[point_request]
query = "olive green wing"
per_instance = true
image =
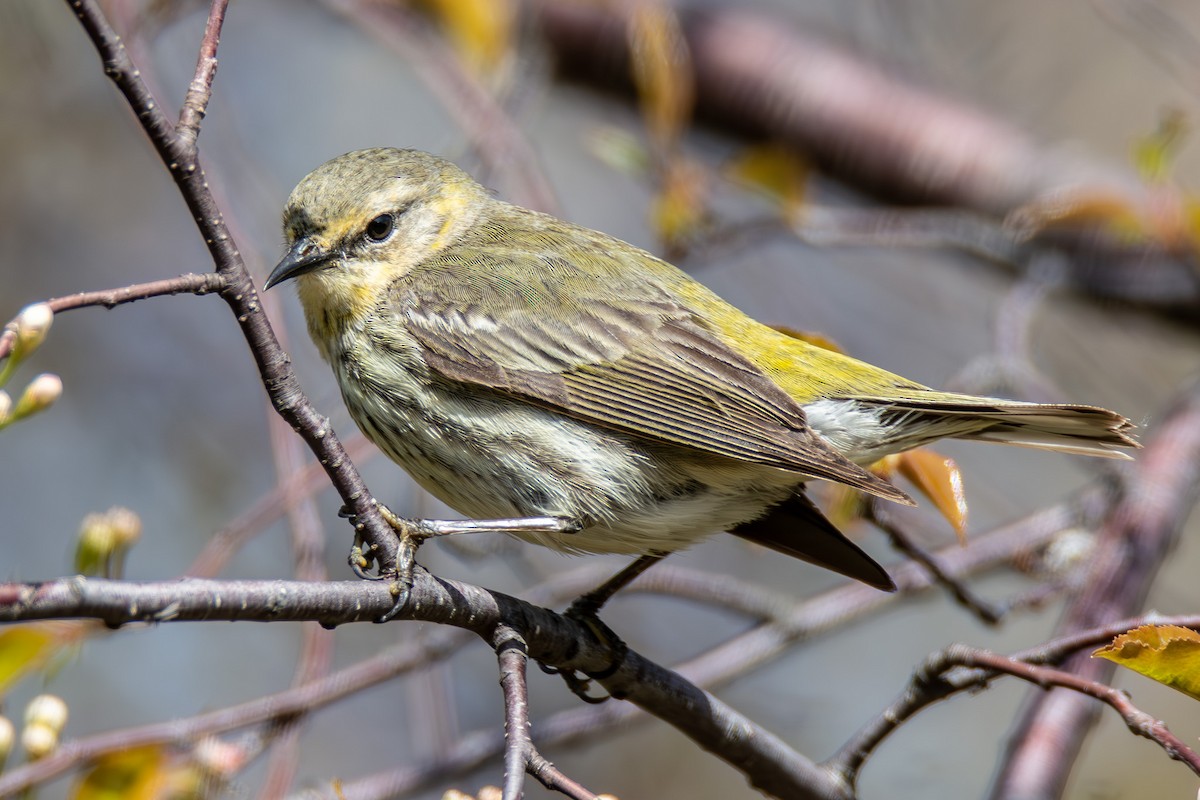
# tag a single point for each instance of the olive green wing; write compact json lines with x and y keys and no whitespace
{"x":630,"y":358}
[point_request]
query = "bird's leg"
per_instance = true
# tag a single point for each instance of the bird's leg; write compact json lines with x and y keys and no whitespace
{"x":413,"y":532}
{"x":584,"y":610}
{"x":589,"y":605}
{"x":422,"y":529}
{"x":429,"y":528}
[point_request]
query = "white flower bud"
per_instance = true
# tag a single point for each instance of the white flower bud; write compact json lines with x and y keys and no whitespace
{"x":8,"y":735}
{"x":48,"y":710}
{"x":39,"y":395}
{"x":38,"y":740}
{"x":32,"y":325}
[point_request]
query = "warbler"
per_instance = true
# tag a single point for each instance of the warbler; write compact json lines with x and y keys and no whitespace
{"x":517,"y":365}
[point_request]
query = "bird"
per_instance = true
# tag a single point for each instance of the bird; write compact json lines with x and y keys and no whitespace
{"x":517,"y":365}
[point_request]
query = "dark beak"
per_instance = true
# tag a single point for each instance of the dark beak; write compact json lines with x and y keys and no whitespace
{"x":304,"y":257}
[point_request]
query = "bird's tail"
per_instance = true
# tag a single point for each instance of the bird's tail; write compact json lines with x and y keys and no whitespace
{"x":1081,"y":430}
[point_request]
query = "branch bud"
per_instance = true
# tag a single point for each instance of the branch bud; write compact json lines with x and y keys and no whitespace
{"x":39,"y":395}
{"x":103,"y":537}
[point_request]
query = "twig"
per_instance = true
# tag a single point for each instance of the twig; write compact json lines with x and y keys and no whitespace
{"x":766,"y":761}
{"x":190,"y":283}
{"x":940,"y":676}
{"x":520,"y":754}
{"x":886,"y":520}
{"x":790,"y":622}
{"x":1138,"y":721}
{"x":511,"y":653}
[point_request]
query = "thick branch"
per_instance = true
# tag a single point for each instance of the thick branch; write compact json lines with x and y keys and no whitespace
{"x":554,"y":640}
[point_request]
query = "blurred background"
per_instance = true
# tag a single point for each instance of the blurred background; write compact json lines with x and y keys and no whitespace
{"x":163,"y":412}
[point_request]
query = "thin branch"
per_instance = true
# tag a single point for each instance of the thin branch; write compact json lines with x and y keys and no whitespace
{"x":1138,"y":721}
{"x":554,"y":640}
{"x":178,"y":153}
{"x":190,"y":283}
{"x":791,"y":622}
{"x":520,"y":754}
{"x":511,"y":654}
{"x":195,"y":103}
{"x":940,"y":677}
{"x":888,"y":522}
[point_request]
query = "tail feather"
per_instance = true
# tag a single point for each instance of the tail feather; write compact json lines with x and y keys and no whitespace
{"x":1081,"y":430}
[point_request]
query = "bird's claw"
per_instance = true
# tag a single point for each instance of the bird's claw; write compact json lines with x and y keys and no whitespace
{"x":583,"y":611}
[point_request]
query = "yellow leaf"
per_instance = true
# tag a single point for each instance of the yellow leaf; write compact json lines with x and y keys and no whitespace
{"x":938,"y":478}
{"x":844,"y":505}
{"x":662,"y":70}
{"x":23,"y":649}
{"x":1154,"y":155}
{"x":136,"y":774}
{"x":481,"y":30}
{"x":30,"y":647}
{"x":775,"y":172}
{"x":680,"y":209}
{"x":1167,"y":653}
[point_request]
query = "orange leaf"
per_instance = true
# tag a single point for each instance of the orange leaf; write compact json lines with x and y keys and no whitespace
{"x":1168,"y":654}
{"x":938,"y":478}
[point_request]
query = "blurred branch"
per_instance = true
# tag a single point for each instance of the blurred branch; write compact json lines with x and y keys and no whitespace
{"x":1155,"y":501}
{"x":498,"y":141}
{"x":864,"y":123}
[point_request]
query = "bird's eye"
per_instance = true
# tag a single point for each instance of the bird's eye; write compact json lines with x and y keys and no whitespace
{"x":381,"y":227}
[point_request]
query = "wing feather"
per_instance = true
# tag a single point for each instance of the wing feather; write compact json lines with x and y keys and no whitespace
{"x":644,"y":367}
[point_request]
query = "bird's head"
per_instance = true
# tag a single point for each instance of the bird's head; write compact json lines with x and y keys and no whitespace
{"x":359,"y":222}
